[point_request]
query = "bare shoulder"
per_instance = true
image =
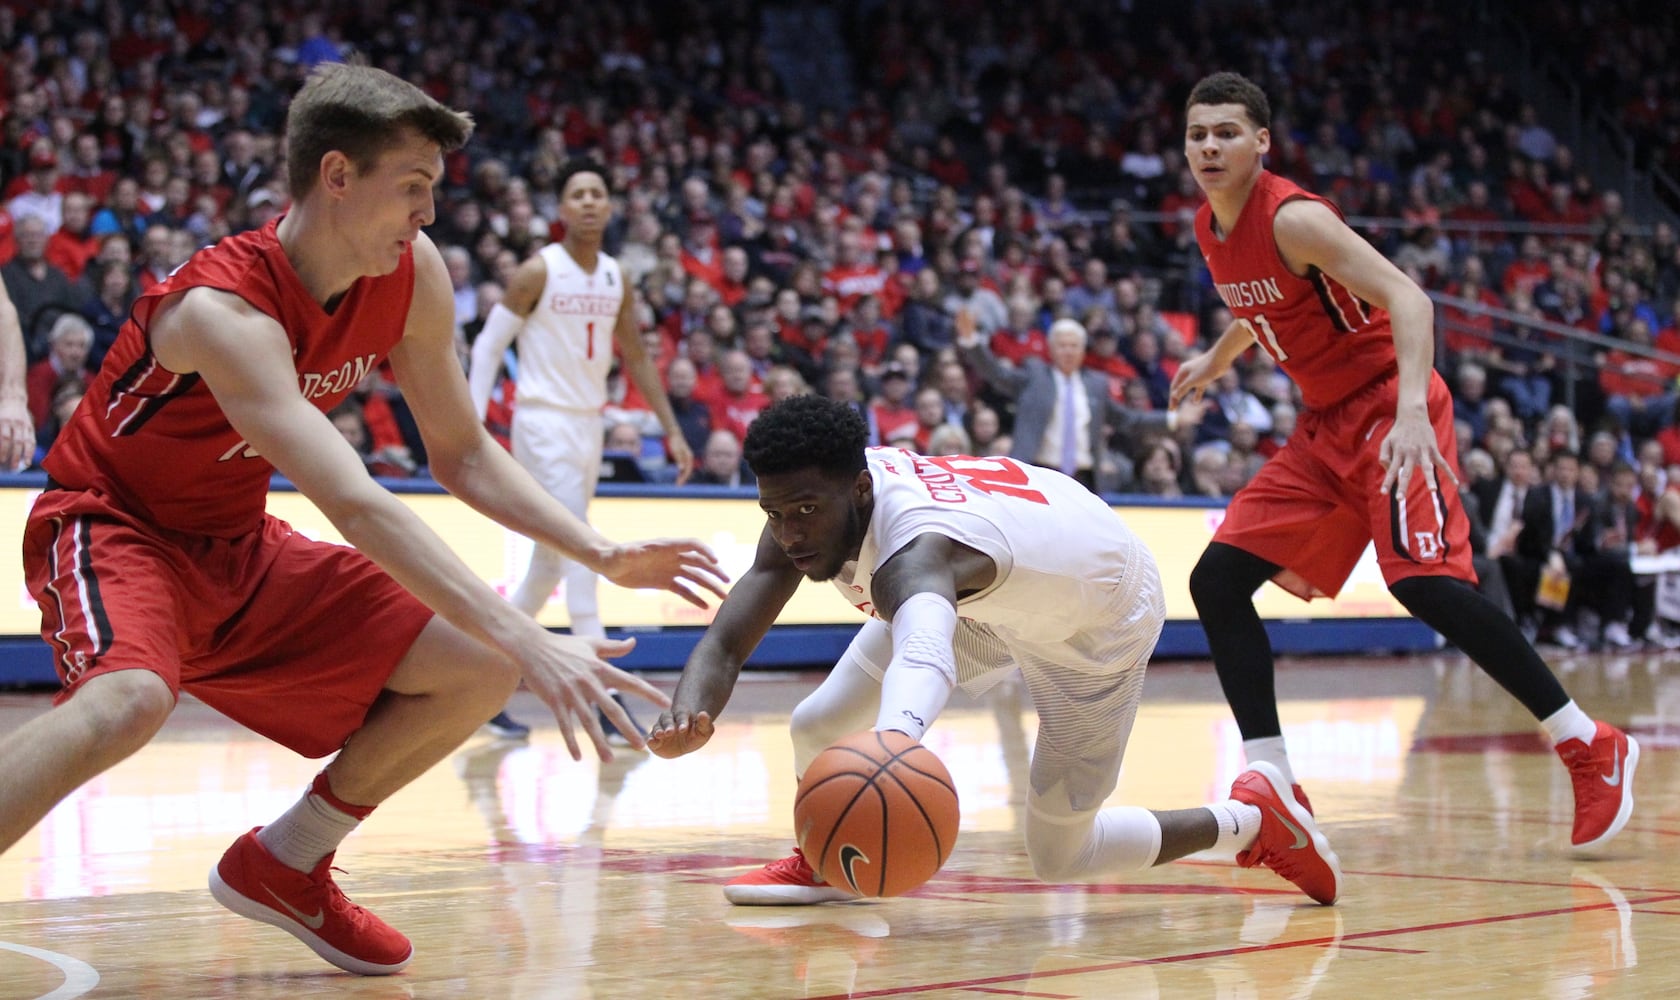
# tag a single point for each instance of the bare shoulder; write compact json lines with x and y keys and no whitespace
{"x":1306,"y":219}
{"x":202,"y":319}
{"x":430,"y":272}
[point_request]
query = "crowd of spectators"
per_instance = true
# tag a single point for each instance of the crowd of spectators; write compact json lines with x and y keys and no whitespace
{"x":997,"y":169}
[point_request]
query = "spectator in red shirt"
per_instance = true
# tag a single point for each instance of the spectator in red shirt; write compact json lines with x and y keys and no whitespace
{"x":740,"y":396}
{"x":855,"y":274}
{"x":72,"y":246}
{"x":86,"y":174}
{"x":1469,"y":334}
{"x":1528,"y":270}
{"x":871,"y":332}
{"x":732,"y":277}
{"x":1019,"y":338}
{"x":890,"y":412}
{"x":1640,"y":390}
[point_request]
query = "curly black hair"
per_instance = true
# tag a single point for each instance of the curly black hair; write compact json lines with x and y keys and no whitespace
{"x":581,"y":165}
{"x":807,"y":432}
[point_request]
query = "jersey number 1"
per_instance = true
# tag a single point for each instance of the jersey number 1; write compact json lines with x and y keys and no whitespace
{"x":1262,"y":331}
{"x":589,"y":340}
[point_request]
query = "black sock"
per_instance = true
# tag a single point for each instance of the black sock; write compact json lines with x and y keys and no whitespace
{"x":1223,"y":585}
{"x":1485,"y":634}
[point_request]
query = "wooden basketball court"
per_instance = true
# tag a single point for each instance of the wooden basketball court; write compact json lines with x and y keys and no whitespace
{"x":521,"y":874}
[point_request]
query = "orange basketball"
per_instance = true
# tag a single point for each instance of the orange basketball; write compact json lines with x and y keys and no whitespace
{"x":876,"y":813}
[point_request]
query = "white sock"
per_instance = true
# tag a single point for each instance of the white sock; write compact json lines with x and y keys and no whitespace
{"x":1272,"y":751}
{"x":307,"y":832}
{"x":1239,"y":824}
{"x":1569,"y":723}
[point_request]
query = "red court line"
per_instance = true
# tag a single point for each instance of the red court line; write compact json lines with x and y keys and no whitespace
{"x":1020,"y":993}
{"x":1392,"y":951}
{"x":968,"y":984}
{"x":1449,"y":878}
{"x":1533,"y":817}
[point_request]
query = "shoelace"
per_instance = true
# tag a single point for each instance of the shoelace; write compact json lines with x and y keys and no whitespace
{"x":794,"y":866}
{"x":334,"y":899}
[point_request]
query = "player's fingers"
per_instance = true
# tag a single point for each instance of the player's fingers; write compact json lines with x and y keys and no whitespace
{"x":620,"y":720}
{"x":703,"y":725}
{"x":605,"y":648}
{"x":712,"y":581}
{"x":1440,"y":460}
{"x":626,"y":681}
{"x":563,"y":716}
{"x":686,"y":594}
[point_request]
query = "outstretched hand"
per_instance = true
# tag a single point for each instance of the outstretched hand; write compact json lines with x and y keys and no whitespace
{"x":1410,"y":446}
{"x":682,"y":456}
{"x":678,"y":733}
{"x":676,"y":564}
{"x":17,"y":435}
{"x":570,"y":674}
{"x":1192,"y":378}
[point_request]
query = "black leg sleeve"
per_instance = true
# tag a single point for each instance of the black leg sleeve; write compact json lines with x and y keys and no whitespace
{"x":1223,"y":585}
{"x":1475,"y":625}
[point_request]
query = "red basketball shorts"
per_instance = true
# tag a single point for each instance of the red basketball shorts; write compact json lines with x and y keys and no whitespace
{"x":290,"y":637}
{"x":1314,"y":506}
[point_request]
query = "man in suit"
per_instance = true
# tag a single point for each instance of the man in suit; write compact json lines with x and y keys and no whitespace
{"x":1557,"y":529}
{"x":1607,"y":581}
{"x":1064,"y":415}
{"x":1501,"y":502}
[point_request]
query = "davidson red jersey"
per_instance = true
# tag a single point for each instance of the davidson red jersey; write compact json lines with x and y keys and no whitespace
{"x":158,"y":442}
{"x":1323,"y":336}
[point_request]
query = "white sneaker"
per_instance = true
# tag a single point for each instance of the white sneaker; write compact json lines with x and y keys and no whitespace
{"x":1616,"y":635}
{"x":1565,"y":636}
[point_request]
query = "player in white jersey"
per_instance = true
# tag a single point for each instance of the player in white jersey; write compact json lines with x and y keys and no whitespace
{"x":568,"y":307}
{"x":969,"y":567}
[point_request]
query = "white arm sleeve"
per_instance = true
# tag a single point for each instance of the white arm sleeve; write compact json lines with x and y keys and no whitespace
{"x":500,"y":327}
{"x":923,"y":670}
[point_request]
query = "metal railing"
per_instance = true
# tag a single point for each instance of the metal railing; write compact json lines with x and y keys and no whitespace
{"x":1574,"y":350}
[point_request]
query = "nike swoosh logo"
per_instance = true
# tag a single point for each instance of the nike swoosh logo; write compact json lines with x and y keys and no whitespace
{"x":1614,"y":778}
{"x":850,"y":856}
{"x":312,"y":922}
{"x":1300,"y":835}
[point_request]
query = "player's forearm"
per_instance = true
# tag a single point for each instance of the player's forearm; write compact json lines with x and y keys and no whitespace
{"x":385,"y":530}
{"x":646,"y":377}
{"x":1412,"y":317}
{"x":708,"y":679}
{"x":13,"y":359}
{"x":1237,"y":338}
{"x":489,"y":481}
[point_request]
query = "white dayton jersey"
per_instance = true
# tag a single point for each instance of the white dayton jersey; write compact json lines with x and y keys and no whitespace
{"x":566,"y":347}
{"x":1067,"y":565}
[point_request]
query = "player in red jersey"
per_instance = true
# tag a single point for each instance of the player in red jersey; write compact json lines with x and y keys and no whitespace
{"x":157,"y":570}
{"x":1362,"y":466}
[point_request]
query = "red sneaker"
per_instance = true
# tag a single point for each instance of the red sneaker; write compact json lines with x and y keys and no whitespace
{"x":788,"y":882}
{"x":309,"y":906}
{"x":1289,"y":842}
{"x":1602,"y":772}
{"x":1301,"y":797}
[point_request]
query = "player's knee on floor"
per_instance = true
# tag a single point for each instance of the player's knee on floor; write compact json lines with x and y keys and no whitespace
{"x":125,"y":707}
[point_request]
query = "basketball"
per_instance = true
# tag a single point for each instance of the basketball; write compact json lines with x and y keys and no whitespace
{"x":876,"y":813}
